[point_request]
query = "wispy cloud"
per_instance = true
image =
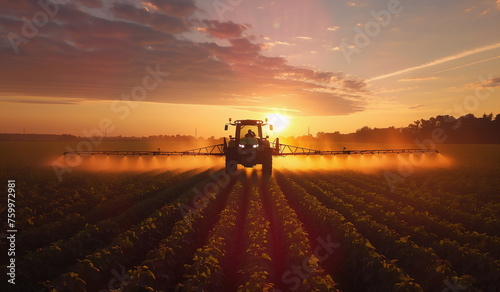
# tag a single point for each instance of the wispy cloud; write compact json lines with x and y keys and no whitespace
{"x":486,"y":11}
{"x":493,"y":82}
{"x":483,"y":8}
{"x":416,"y":106}
{"x":45,"y":100}
{"x":465,"y":65}
{"x":438,"y":61}
{"x":418,"y":78}
{"x":275,"y":43}
{"x":469,"y":9}
{"x":385,"y":90}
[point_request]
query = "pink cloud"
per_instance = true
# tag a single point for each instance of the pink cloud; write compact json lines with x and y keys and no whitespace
{"x":224,"y":30}
{"x":82,"y":56}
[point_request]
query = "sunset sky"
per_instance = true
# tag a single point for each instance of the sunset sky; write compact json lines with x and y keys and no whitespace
{"x":328,"y":65}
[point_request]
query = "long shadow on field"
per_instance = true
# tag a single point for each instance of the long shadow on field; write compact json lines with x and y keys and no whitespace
{"x":333,"y":263}
{"x":237,"y":254}
{"x":279,"y":252}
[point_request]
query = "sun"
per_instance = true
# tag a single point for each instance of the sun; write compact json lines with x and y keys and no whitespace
{"x":279,"y":122}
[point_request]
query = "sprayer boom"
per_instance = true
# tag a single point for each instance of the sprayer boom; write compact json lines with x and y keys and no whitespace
{"x":250,"y":147}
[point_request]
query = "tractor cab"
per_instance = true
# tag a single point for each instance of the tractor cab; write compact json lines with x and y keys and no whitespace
{"x":248,"y":133}
{"x":248,"y":146}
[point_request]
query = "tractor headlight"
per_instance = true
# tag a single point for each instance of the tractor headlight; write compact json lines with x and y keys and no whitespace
{"x":242,"y":146}
{"x":255,"y":146}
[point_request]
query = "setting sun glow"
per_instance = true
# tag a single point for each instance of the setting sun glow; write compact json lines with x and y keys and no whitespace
{"x":279,"y":122}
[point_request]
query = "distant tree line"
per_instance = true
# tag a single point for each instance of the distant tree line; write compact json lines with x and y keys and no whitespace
{"x":69,"y":137}
{"x":466,"y":129}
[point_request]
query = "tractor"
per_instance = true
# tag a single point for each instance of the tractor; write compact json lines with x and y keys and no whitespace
{"x":248,"y":147}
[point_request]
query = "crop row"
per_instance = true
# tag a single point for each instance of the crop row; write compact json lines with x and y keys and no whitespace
{"x":302,"y":270}
{"x":465,"y":209}
{"x":256,"y":272}
{"x":464,"y":260}
{"x":423,"y":264}
{"x":209,"y":262}
{"x":363,"y":269}
{"x":46,"y":200}
{"x":162,"y":268}
{"x":95,"y":269}
{"x":112,"y":205}
{"x":57,"y":257}
{"x":433,"y":223}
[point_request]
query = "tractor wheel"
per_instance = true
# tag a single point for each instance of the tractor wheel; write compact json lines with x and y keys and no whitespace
{"x":267,"y":164}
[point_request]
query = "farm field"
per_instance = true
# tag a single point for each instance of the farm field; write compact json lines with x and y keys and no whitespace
{"x":200,"y":229}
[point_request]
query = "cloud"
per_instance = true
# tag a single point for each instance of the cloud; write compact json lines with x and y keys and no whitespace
{"x":385,"y":90}
{"x":19,"y":8}
{"x":484,"y":7}
{"x":469,"y":9}
{"x":494,"y":82}
{"x":465,"y":65}
{"x":223,"y":30}
{"x":490,"y":82}
{"x":486,"y":11}
{"x":272,"y":44}
{"x":159,"y":21}
{"x":179,"y":8}
{"x":354,"y":85}
{"x":439,"y":61}
{"x":60,"y":101}
{"x":418,"y":78}
{"x":91,"y":3}
{"x":416,"y":106}
{"x":79,"y":56}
